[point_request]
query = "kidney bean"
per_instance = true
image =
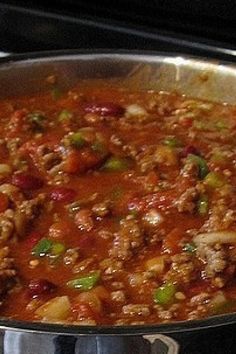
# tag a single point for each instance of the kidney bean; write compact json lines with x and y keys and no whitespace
{"x":189,"y":149}
{"x":26,"y":181}
{"x":62,"y":194}
{"x":104,"y":109}
{"x":39,"y":287}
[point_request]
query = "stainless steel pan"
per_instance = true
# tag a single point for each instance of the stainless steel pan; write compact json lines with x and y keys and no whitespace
{"x":194,"y":77}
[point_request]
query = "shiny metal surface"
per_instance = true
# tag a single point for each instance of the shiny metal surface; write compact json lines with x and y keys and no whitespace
{"x":191,"y":76}
{"x":25,"y":343}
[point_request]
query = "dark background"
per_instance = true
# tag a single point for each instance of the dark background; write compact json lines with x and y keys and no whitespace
{"x":190,"y":26}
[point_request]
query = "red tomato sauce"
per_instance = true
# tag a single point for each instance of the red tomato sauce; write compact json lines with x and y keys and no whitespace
{"x":116,"y":207}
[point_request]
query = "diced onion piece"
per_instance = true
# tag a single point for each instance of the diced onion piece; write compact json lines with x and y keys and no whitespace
{"x":135,"y":110}
{"x":219,"y":299}
{"x":218,"y":303}
{"x":216,"y":237}
{"x":55,"y":309}
{"x":156,"y":264}
{"x":153,"y":217}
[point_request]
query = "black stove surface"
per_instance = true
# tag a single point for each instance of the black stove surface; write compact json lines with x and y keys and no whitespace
{"x":36,"y":28}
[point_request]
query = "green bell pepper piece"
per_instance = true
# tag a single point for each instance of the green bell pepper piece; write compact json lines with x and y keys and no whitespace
{"x":201,"y":163}
{"x":86,"y":282}
{"x":165,"y":294}
{"x":42,"y":248}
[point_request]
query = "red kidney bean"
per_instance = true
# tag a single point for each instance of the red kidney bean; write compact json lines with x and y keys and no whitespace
{"x":189,"y":149}
{"x":104,"y":109}
{"x":38,"y":287}
{"x":62,"y":194}
{"x":26,"y":181}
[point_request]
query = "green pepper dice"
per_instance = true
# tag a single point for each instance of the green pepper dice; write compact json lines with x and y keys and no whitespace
{"x":77,"y":140}
{"x":201,"y":163}
{"x":189,"y":247}
{"x":64,"y":115}
{"x":42,"y":247}
{"x":86,"y":282}
{"x":114,"y":164}
{"x":57,"y":249}
{"x":46,"y":246}
{"x":165,"y":294}
{"x":37,"y":120}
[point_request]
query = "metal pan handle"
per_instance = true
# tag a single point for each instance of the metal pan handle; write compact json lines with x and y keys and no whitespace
{"x":153,"y":344}
{"x":28,"y":343}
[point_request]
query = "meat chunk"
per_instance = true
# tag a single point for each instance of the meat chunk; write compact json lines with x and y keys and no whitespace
{"x":156,"y":155}
{"x":7,"y":271}
{"x":221,"y":217}
{"x":26,"y":212}
{"x":214,"y":258}
{"x":169,"y":314}
{"x":127,"y":239}
{"x":48,"y":158}
{"x":190,"y":170}
{"x":83,"y":220}
{"x":6,"y":225}
{"x":137,"y":279}
{"x":13,"y":145}
{"x":14,"y":194}
{"x":118,"y":296}
{"x":15,"y":221}
{"x":182,"y":269}
{"x":110,"y":267}
{"x":101,"y":209}
{"x":136,"y":310}
{"x":187,"y":200}
{"x":200,"y":299}
{"x":71,"y":256}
